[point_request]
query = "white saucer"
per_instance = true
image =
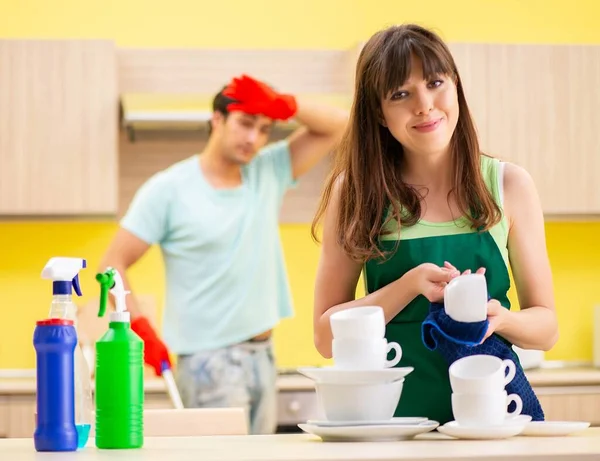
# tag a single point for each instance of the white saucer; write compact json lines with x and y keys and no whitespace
{"x":334,"y":375}
{"x":388,"y":422}
{"x":519,"y":419}
{"x":554,"y":428}
{"x":369,"y":433}
{"x":510,"y":428}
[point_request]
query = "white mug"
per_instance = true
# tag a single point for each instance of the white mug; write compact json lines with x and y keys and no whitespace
{"x":466,"y":298}
{"x":364,"y":353}
{"x":484,"y":409}
{"x":481,"y":374}
{"x":358,"y":322}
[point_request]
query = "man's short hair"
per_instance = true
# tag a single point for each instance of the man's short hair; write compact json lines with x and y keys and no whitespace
{"x":219,"y":104}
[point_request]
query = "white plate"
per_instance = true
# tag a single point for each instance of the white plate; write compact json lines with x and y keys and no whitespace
{"x":341,"y":376}
{"x":369,"y":433}
{"x":554,"y":428}
{"x":501,"y":431}
{"x":519,"y":419}
{"x":388,"y":422}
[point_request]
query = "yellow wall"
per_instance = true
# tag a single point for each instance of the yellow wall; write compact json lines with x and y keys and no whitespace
{"x":305,"y":24}
{"x":574,"y":253}
{"x":24,"y":297}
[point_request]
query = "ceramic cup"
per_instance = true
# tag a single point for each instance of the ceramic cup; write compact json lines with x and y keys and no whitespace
{"x":466,"y":298}
{"x":481,"y":374}
{"x":358,"y":322}
{"x":484,"y":409}
{"x":364,"y":353}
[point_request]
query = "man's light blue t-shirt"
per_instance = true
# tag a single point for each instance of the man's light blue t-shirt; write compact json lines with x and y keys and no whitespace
{"x":225,"y":274}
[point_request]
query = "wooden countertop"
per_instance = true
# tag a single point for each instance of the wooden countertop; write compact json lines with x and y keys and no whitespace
{"x":305,"y":447}
{"x":543,"y":377}
{"x":152,"y":385}
{"x":22,"y":386}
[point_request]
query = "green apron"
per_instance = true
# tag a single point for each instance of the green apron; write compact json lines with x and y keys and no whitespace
{"x":427,"y":389}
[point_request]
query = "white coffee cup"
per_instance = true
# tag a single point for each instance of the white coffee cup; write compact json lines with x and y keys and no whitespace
{"x":481,"y":374}
{"x":364,"y":353}
{"x":466,"y":298}
{"x":484,"y":409}
{"x":358,"y":322}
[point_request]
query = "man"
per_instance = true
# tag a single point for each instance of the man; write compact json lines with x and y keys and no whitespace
{"x":215,"y":217}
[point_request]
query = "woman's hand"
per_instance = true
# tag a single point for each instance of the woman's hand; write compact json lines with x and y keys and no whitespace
{"x":497,"y":316}
{"x":431,"y":279}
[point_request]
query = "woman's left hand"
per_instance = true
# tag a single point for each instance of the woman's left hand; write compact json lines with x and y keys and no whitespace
{"x":496,"y":315}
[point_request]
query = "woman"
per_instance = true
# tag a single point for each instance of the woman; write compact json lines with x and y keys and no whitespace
{"x":412,"y":201}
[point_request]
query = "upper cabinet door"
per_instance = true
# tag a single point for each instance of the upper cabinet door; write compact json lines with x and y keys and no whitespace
{"x":539,"y":107}
{"x":58,"y":127}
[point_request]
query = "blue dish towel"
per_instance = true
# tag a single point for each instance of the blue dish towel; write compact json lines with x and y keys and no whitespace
{"x":455,"y":340}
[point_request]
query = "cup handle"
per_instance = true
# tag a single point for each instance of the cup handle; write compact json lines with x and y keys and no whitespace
{"x":396,"y":359}
{"x":512,"y":371}
{"x":514,"y":398}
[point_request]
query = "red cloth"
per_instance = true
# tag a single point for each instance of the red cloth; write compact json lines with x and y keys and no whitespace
{"x":254,"y":97}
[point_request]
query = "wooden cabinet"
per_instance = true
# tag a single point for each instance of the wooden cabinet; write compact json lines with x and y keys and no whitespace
{"x":533,"y":105}
{"x":58,"y":127}
{"x":298,"y":402}
{"x":576,"y":403}
{"x":4,"y":416}
{"x":17,"y":412}
{"x":20,"y":415}
{"x":60,"y":107}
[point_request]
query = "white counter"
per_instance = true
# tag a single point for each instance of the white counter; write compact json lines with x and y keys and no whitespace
{"x":303,"y":447}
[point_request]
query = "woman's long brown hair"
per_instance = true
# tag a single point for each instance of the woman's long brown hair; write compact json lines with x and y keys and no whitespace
{"x":368,"y":161}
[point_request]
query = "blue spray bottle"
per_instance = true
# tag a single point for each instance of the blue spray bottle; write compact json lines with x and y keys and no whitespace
{"x":55,"y":341}
{"x":64,"y":274}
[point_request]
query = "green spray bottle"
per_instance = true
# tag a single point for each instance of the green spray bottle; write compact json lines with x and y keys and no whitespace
{"x":119,"y":373}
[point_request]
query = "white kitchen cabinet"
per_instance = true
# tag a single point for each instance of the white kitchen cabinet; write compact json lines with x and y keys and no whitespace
{"x":58,"y":127}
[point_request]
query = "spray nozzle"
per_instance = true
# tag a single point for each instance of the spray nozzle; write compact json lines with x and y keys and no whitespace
{"x":64,"y":272}
{"x":110,"y":281}
{"x":106,"y":280}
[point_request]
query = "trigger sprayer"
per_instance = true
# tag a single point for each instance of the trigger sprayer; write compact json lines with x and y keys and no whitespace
{"x":64,"y":273}
{"x":119,"y":372}
{"x":111,"y":281}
